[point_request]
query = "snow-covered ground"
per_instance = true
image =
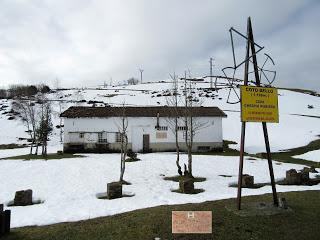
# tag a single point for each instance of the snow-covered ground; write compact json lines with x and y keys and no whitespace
{"x":68,"y":187}
{"x":311,"y":156}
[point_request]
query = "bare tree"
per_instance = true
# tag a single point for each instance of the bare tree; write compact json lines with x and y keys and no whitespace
{"x":123,"y":129}
{"x":173,"y":122}
{"x":45,"y":124}
{"x":192,"y":123}
{"x":28,"y":112}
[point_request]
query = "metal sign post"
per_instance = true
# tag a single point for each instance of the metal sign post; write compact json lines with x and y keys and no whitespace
{"x":251,"y":45}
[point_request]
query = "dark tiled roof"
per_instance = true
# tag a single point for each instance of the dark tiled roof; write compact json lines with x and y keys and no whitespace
{"x":102,"y":112}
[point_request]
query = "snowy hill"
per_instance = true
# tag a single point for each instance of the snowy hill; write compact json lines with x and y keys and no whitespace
{"x":297,"y":127}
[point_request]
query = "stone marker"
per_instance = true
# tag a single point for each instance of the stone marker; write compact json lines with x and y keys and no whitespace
{"x":293,"y":177}
{"x":247,"y":181}
{"x":114,"y":190}
{"x":23,"y":198}
{"x":186,"y":185}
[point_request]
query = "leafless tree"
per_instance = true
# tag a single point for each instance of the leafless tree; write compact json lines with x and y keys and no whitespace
{"x":191,"y":122}
{"x":28,"y":112}
{"x":45,"y":124}
{"x":123,"y":129}
{"x":173,"y":122}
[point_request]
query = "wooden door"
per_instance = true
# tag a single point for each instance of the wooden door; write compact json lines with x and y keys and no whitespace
{"x":146,"y":143}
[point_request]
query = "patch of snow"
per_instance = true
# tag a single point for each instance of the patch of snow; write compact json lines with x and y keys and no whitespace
{"x":68,"y":187}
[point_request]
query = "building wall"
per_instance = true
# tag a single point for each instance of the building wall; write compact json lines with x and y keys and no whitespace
{"x":160,"y":140}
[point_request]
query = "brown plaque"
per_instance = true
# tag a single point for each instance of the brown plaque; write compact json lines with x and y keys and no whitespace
{"x":191,"y":222}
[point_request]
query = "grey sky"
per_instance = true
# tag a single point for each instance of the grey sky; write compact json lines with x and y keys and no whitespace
{"x":84,"y":42}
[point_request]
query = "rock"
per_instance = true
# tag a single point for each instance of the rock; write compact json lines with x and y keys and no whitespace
{"x":293,"y":177}
{"x":247,"y":181}
{"x":23,"y":198}
{"x":114,"y":190}
{"x":60,"y":152}
{"x":186,"y":185}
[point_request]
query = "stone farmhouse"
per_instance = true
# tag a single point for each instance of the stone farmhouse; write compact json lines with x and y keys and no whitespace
{"x":150,"y":129}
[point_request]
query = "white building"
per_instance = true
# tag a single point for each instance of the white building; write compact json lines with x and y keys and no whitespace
{"x":150,"y":129}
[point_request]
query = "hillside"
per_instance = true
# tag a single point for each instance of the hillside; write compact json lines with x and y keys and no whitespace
{"x":68,"y":188}
{"x":297,"y":125}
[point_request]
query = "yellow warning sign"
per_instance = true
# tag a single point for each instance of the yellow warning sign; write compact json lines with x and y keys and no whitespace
{"x":259,"y":104}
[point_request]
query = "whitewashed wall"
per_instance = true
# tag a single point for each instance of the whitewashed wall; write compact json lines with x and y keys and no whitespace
{"x":137,"y":126}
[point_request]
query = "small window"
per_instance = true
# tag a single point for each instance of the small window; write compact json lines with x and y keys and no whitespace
{"x":81,"y":135}
{"x":101,"y":139}
{"x":118,"y":137}
{"x":161,"y":128}
{"x":181,"y":128}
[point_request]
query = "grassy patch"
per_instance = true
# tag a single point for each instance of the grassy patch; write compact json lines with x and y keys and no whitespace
{"x":149,"y":223}
{"x":12,"y":146}
{"x":177,"y":178}
{"x":50,"y":156}
{"x":227,"y":151}
{"x":287,"y":156}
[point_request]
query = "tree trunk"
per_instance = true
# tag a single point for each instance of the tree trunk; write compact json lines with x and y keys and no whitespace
{"x":190,"y":160}
{"x":31,"y":147}
{"x":124,"y":145}
{"x":177,"y":149}
{"x":37,"y":147}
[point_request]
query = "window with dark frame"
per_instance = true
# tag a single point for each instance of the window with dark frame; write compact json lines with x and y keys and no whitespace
{"x":161,"y":128}
{"x":101,"y":139}
{"x":118,"y":137}
{"x":181,"y":128}
{"x":81,"y":135}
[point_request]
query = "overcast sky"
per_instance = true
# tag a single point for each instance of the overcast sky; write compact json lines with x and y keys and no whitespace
{"x":87,"y":42}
